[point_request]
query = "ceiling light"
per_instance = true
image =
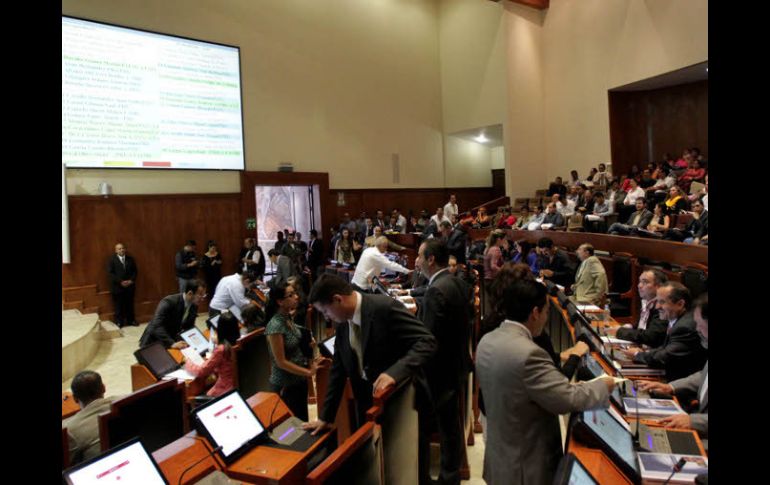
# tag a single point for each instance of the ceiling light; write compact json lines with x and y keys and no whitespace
{"x":481,"y":138}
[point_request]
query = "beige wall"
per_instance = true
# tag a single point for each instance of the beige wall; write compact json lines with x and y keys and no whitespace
{"x":498,"y":158}
{"x":336,"y":86}
{"x":468,"y":163}
{"x":472,"y":50}
{"x":591,"y":46}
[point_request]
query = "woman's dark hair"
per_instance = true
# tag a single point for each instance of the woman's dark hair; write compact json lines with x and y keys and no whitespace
{"x":228,"y":332}
{"x":276,"y":293}
{"x":526,"y":247}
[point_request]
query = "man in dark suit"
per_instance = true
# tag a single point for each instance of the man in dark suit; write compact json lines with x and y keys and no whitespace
{"x":447,"y":312}
{"x":650,"y":330}
{"x":455,"y":238}
{"x":122,"y":271}
{"x":175,"y":313}
{"x":554,"y":264}
{"x":681,"y":353}
{"x":315,"y":254}
{"x":379,"y":343}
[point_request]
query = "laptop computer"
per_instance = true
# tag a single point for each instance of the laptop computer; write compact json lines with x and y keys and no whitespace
{"x":572,"y":472}
{"x":230,"y":423}
{"x":160,"y":363}
{"x":195,"y":339}
{"x":126,"y":463}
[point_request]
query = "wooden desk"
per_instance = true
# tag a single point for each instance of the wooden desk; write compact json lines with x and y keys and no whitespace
{"x":68,"y":405}
{"x":263,"y":464}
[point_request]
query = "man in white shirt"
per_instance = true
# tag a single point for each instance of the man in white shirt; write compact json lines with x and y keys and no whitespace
{"x":372,"y":263}
{"x":439,"y":216}
{"x":451,"y":207}
{"x":230,"y":291}
{"x":400,"y":220}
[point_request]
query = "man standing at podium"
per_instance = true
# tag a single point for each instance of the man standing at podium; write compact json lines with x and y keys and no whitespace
{"x":378,"y":344}
{"x":122,"y":271}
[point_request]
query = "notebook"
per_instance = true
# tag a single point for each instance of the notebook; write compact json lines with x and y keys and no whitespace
{"x":126,"y":463}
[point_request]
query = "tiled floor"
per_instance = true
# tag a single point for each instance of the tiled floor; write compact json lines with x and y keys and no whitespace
{"x":114,"y":358}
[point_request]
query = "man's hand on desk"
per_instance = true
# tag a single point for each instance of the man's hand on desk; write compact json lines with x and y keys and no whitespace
{"x":179,"y":345}
{"x":580,"y":349}
{"x":383,"y":381}
{"x":315,"y":426}
{"x":652,"y":386}
{"x":631,"y":351}
{"x":680,"y":421}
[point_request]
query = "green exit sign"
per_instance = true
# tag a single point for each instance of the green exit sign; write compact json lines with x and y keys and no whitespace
{"x":251,"y":224}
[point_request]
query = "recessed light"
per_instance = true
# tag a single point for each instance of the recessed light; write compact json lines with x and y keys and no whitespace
{"x":481,"y":138}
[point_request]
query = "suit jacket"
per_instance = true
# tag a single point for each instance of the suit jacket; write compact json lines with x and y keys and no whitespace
{"x":83,"y":430}
{"x":653,"y":336}
{"x":694,"y":383}
{"x":699,"y":227}
{"x":118,"y":272}
{"x":393,"y":341}
{"x":644,"y":221}
{"x":456,"y":245}
{"x":563,"y":271}
{"x":524,"y":394}
{"x":447,"y":312}
{"x":316,"y":253}
{"x":591,"y":281}
{"x":681,"y":353}
{"x":167,"y":322}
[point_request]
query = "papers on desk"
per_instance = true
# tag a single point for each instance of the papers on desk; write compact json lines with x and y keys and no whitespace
{"x":589,"y":308}
{"x":612,"y":340}
{"x":617,"y":380}
{"x":179,"y":374}
{"x":192,"y":355}
{"x":658,"y":466}
{"x":652,"y":407}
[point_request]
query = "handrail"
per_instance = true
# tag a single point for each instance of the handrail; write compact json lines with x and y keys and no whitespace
{"x":504,"y":198}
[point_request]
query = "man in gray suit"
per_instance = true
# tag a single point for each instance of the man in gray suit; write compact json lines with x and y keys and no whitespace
{"x":284,"y":268}
{"x":83,"y":428}
{"x":524,"y":393}
{"x":697,"y":383}
{"x":639,"y":219}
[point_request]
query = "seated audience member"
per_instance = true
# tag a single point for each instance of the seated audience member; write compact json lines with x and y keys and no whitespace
{"x":676,"y":202}
{"x":524,"y":219}
{"x":231,"y":291}
{"x":370,"y":241}
{"x":660,"y":186}
{"x":590,"y":279}
{"x":526,"y":254}
{"x":290,"y":367}
{"x":602,"y":178}
{"x":552,"y":218}
{"x":400,"y":220}
{"x":482,"y":219}
{"x":681,"y":353}
{"x":573,"y":195}
{"x":379,"y":219}
{"x":646,"y":181}
{"x":535,"y":392}
{"x":615,"y":196}
{"x":554,"y":264}
{"x":574,"y":179}
{"x":343,"y":251}
{"x":372,"y":263}
{"x":439,"y":216}
{"x":556,"y":187}
{"x":556,"y":199}
{"x":697,"y":229}
{"x":175,"y":314}
{"x":634,"y":192}
{"x":591,"y":174}
{"x":640,"y":218}
{"x":506,"y":220}
{"x":536,"y":219}
{"x":694,"y":173}
{"x":393,"y":226}
{"x":83,"y":428}
{"x":658,"y":225}
{"x":367,"y":228}
{"x":650,"y":330}
{"x":596,"y":221}
{"x":694,"y":384}
{"x":220,"y":362}
{"x":423,"y":221}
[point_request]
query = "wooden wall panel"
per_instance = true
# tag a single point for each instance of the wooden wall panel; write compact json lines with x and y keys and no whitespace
{"x":406,"y":200}
{"x":154,"y":228}
{"x":667,"y":120}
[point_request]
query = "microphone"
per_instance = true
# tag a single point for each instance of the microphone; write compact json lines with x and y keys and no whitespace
{"x":677,"y":468}
{"x":215,"y":450}
{"x":638,"y":421}
{"x":280,"y":396}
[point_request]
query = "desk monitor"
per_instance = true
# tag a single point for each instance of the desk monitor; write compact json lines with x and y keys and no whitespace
{"x":126,"y":463}
{"x":590,"y":369}
{"x":327,"y":347}
{"x":379,"y":287}
{"x":562,"y":298}
{"x":196,"y":340}
{"x":157,"y":359}
{"x":229,"y":422}
{"x":597,"y":428}
{"x":572,"y":472}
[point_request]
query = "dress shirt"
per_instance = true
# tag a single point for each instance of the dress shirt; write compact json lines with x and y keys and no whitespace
{"x":632,"y":195}
{"x":401,"y":221}
{"x":450,"y":209}
{"x":602,"y":210}
{"x":438,"y":222}
{"x":372,"y":263}
{"x":355,"y":334}
{"x":647,"y":306}
{"x":229,"y":292}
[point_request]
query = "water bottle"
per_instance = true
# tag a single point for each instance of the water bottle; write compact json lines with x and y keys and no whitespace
{"x":607,"y":313}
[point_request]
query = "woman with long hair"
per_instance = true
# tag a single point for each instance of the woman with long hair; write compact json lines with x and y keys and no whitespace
{"x":343,"y":251}
{"x":290,"y":367}
{"x":211,"y":263}
{"x":219,"y":362}
{"x":676,"y":201}
{"x":525,"y":254}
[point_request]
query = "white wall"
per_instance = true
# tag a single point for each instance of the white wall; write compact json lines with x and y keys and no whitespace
{"x":497,"y":158}
{"x":469,"y":163}
{"x":336,"y":86}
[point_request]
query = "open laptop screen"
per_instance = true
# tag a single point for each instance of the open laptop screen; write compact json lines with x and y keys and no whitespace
{"x":615,"y":438}
{"x":196,"y":340}
{"x":572,"y":472}
{"x":229,"y":422}
{"x":127,"y":463}
{"x":156,"y":358}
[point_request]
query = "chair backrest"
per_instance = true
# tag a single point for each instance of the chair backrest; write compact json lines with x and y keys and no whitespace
{"x":359,"y":456}
{"x":695,"y":278}
{"x":156,"y":414}
{"x":622,"y":278}
{"x":682,"y":220}
{"x":251,"y":361}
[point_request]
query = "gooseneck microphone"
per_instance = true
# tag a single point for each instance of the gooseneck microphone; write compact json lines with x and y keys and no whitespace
{"x":677,"y":468}
{"x":215,"y":450}
{"x":638,"y":421}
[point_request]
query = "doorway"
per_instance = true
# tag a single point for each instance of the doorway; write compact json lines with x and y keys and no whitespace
{"x":279,"y":207}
